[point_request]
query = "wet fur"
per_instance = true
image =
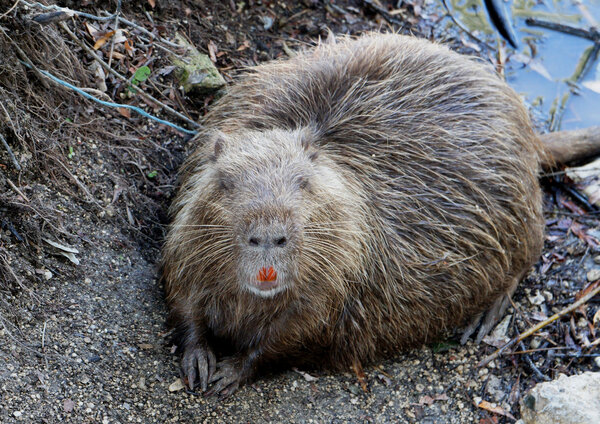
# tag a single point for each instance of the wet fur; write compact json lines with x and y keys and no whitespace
{"x":437,"y":211}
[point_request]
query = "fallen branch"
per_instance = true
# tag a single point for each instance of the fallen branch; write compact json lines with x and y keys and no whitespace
{"x":591,"y":34}
{"x":536,"y":328}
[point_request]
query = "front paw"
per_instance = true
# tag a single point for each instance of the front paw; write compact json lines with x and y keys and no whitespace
{"x":227,"y":379}
{"x":198,"y":364}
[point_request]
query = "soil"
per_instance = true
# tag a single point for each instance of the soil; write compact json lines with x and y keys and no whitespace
{"x":88,"y":342}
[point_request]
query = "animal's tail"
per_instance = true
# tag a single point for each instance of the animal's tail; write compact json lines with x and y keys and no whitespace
{"x":564,"y":147}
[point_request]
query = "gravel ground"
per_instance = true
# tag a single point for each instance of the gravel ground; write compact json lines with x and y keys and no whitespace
{"x":98,"y":350}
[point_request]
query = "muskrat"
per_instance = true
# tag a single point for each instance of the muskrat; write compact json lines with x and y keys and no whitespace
{"x":361,"y":197}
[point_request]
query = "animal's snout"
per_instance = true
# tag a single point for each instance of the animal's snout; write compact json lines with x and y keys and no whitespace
{"x":268,"y":239}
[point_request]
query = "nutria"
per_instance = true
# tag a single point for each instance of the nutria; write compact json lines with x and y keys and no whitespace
{"x":362,"y":197}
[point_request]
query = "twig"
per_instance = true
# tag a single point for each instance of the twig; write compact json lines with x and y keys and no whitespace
{"x":591,"y":34}
{"x":51,"y":17}
{"x":80,"y":184}
{"x":535,"y":369}
{"x":112,"y":45}
{"x":18,"y":280}
{"x":64,"y":10}
{"x":384,"y":14}
{"x":534,"y":329}
{"x":148,"y":33}
{"x":44,"y":335}
{"x":16,"y":189}
{"x":10,"y":153}
{"x":122,"y":78}
{"x":543,"y":349}
{"x":9,"y":10}
{"x":574,"y":193}
{"x":577,"y":355}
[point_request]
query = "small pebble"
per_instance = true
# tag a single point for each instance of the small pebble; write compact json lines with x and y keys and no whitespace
{"x":593,"y":274}
{"x":176,"y":385}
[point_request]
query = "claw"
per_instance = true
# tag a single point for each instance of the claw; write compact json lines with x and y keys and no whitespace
{"x":227,"y":379}
{"x":486,"y":321}
{"x":198,"y":361}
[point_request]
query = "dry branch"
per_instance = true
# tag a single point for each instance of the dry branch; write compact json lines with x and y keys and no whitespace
{"x":532,"y":330}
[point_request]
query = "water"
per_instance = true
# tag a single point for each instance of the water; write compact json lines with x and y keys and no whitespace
{"x":545,"y":63}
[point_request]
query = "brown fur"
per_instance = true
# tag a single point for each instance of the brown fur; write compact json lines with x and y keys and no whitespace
{"x":422,"y":206}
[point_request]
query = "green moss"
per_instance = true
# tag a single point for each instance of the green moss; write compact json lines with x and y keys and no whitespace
{"x":197,"y":73}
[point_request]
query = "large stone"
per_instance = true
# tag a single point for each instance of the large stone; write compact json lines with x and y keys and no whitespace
{"x":566,"y":400}
{"x":197,"y":72}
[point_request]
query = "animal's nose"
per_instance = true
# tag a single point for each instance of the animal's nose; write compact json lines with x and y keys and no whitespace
{"x":267,"y":240}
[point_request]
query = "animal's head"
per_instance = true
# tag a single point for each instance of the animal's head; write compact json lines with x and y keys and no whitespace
{"x":271,"y":213}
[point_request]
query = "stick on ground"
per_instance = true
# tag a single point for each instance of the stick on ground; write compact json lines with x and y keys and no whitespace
{"x":535,"y":328}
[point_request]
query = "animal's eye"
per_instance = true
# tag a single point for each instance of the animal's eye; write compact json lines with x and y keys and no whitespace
{"x":225,"y":183}
{"x":303,"y":183}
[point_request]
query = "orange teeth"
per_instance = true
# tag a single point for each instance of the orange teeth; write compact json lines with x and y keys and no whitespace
{"x":266,"y":275}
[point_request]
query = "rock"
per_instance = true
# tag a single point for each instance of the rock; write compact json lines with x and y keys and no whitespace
{"x":198,"y":73}
{"x":538,"y":299}
{"x":593,"y":274}
{"x":566,"y":400}
{"x":494,"y":388}
{"x":176,"y":385}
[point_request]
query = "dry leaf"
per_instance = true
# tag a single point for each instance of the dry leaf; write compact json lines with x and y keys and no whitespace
{"x":67,"y":251}
{"x":125,"y":112}
{"x":244,"y":46}
{"x":120,"y":36}
{"x":102,"y":40}
{"x":306,"y":375}
{"x":212,"y":51}
{"x":128,"y":45}
{"x":99,"y":76}
{"x":534,"y":64}
{"x":484,"y":404}
{"x":579,"y":231}
{"x":117,"y":55}
{"x":152,"y":3}
{"x":91,"y":29}
{"x":570,"y":205}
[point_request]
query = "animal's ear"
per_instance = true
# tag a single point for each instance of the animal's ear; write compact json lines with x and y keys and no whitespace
{"x":218,"y":140}
{"x":308,"y":141}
